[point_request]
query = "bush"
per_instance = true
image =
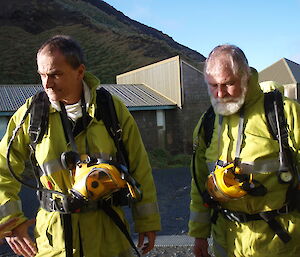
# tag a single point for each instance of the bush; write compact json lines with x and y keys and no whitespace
{"x":180,"y":160}
{"x":162,"y":159}
{"x":159,"y":158}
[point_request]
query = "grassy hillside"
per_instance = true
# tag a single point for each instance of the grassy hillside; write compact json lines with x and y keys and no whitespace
{"x":113,"y":43}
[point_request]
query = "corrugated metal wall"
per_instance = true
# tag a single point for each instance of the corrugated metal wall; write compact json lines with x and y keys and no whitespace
{"x":163,"y":77}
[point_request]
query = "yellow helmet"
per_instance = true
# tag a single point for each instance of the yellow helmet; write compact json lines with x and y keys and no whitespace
{"x":222,"y":184}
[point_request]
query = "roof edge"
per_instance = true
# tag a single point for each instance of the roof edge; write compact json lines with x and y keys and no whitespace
{"x":150,"y":66}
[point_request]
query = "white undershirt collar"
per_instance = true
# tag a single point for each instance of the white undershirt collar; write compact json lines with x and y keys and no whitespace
{"x":74,"y":111}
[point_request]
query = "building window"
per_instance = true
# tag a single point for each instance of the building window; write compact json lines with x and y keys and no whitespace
{"x":3,"y":125}
{"x":160,"y":119}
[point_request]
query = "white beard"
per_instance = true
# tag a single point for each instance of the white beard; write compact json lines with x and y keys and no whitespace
{"x":229,"y":105}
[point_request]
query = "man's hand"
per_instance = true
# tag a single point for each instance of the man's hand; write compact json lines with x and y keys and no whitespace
{"x":148,"y":246}
{"x":20,"y":241}
{"x":5,"y":228}
{"x":201,"y":247}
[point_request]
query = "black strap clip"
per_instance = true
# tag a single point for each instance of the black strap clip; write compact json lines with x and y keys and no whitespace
{"x":34,"y":133}
{"x":235,"y":216}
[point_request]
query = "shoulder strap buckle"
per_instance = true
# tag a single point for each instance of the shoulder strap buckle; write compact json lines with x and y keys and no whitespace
{"x":34,"y":133}
{"x":285,"y":209}
{"x":117,"y":133}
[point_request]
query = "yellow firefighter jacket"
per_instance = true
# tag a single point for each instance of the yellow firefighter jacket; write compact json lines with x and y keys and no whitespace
{"x":99,"y":235}
{"x":259,"y":156}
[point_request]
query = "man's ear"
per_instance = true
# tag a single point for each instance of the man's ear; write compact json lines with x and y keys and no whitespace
{"x":81,"y":71}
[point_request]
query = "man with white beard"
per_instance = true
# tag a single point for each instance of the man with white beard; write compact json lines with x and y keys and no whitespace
{"x":236,"y":192}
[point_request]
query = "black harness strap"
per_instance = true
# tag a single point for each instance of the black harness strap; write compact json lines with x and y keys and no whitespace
{"x":208,"y":122}
{"x":39,"y":117}
{"x":275,"y":226}
{"x":107,"y":112}
{"x":268,"y":216}
{"x":81,"y":254}
{"x":278,"y":128}
{"x":68,"y":233}
{"x":67,"y":127}
{"x":269,"y":99}
{"x":119,"y":223}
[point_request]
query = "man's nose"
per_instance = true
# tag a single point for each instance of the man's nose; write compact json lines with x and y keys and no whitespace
{"x":221,"y":91}
{"x":48,"y":82}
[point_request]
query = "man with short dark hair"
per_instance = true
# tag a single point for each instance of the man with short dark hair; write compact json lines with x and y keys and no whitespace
{"x":79,"y":220}
{"x":240,"y":194}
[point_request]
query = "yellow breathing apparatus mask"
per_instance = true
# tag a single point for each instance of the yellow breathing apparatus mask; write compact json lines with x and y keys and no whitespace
{"x":97,"y":179}
{"x":223,"y":184}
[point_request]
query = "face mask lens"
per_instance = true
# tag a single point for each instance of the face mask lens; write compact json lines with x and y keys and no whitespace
{"x":99,"y":183}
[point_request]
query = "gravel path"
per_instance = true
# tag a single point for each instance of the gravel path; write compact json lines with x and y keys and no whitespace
{"x":176,"y":251}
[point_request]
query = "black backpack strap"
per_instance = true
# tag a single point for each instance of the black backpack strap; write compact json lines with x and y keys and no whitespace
{"x":208,"y":122}
{"x":269,"y":99}
{"x":278,"y":128}
{"x":39,"y":117}
{"x":107,"y":112}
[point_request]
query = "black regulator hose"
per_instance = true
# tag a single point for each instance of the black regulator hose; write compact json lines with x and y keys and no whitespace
{"x":13,"y":174}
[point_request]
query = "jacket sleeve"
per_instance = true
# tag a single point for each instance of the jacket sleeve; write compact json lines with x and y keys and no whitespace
{"x":145,"y":213}
{"x":292,"y":111}
{"x":10,"y":204}
{"x":199,"y":223}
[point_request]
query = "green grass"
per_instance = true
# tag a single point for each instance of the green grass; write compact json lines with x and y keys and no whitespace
{"x":112,"y":47}
{"x":107,"y":53}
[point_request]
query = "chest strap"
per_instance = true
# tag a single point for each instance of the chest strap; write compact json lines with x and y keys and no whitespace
{"x":267,"y":216}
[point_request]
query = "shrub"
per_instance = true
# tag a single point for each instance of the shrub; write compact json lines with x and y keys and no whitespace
{"x":162,"y":159}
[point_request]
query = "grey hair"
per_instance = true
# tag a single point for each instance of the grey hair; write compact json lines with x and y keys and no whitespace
{"x":67,"y":46}
{"x":238,"y":61}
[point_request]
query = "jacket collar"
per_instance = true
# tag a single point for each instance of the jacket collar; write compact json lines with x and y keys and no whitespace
{"x":254,"y":91}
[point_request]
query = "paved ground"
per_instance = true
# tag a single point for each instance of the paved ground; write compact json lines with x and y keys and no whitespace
{"x":173,"y":192}
{"x":173,"y":188}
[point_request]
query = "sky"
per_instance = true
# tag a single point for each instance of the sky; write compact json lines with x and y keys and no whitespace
{"x":266,"y":30}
